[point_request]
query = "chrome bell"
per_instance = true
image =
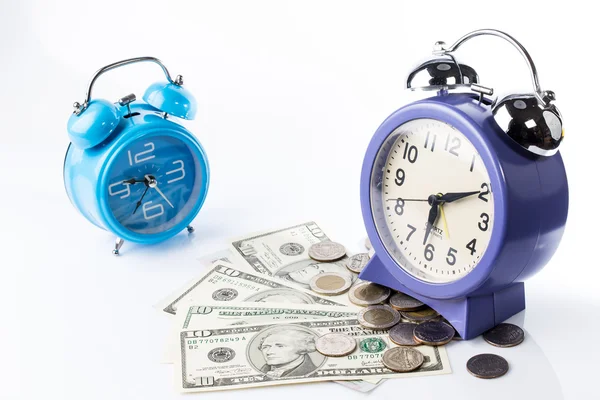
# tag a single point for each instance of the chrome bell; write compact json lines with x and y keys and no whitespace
{"x":534,"y":123}
{"x":441,"y":73}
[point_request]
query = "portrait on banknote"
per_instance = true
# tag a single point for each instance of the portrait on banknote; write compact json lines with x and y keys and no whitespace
{"x":288,"y":351}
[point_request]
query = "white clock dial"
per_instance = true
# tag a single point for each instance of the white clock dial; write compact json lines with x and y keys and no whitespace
{"x":420,"y":159}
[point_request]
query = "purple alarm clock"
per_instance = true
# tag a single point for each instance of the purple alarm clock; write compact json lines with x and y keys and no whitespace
{"x":464,"y":196}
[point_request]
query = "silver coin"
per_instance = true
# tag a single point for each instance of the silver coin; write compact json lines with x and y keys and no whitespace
{"x":335,"y":344}
{"x":357,"y":262}
{"x":487,"y":366}
{"x":402,"y":334}
{"x":367,"y":293}
{"x":504,"y":335}
{"x":403,"y":302}
{"x":434,"y":333}
{"x":330,"y":283}
{"x":425,"y":314}
{"x":378,"y":317}
{"x":326,"y":251}
{"x":403,"y":359}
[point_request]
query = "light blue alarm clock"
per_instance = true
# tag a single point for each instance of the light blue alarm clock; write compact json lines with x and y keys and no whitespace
{"x":131,"y":168}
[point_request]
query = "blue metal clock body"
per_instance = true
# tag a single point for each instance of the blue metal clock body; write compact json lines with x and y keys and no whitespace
{"x":145,"y":144}
{"x":131,"y":167}
{"x":530,"y":195}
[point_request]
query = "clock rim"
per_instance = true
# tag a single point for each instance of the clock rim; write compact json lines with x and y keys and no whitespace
{"x":474,"y":133}
{"x":160,"y":127}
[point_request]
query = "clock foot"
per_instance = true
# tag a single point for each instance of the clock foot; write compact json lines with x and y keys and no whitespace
{"x":118,"y":244}
{"x":190,"y":229}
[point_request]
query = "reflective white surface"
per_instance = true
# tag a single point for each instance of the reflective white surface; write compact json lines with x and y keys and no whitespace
{"x":289,"y":96}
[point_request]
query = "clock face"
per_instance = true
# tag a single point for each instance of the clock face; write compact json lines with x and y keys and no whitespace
{"x":421,"y":163}
{"x":153,"y":184}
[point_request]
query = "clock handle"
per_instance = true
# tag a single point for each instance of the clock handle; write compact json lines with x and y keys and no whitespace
{"x":78,"y":108}
{"x":441,"y":49}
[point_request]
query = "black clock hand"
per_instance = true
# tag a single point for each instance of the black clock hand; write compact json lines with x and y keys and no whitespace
{"x":450,"y":197}
{"x":133,"y":180}
{"x":433,"y":214}
{"x":139,"y":203}
{"x":396,"y":199}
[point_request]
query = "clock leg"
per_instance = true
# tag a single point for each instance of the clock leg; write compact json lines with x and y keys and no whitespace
{"x":118,"y":243}
{"x":190,"y":229}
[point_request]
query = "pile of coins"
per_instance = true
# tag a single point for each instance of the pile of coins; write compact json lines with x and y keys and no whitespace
{"x":409,"y":321}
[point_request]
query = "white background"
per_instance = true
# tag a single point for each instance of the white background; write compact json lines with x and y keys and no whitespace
{"x":289,"y":95}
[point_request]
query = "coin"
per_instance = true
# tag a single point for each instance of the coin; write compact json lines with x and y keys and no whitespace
{"x":367,"y":293}
{"x":434,"y":333}
{"x":330,"y":283}
{"x":423,"y":315}
{"x":368,"y":244}
{"x":335,"y":345}
{"x":403,"y":302}
{"x":357,"y":262}
{"x":326,"y":251}
{"x":402,"y":334}
{"x":504,"y":335}
{"x":378,"y":317}
{"x":487,"y":366}
{"x":402,"y":359}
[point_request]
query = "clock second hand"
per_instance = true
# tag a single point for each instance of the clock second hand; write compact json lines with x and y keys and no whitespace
{"x":154,"y":185}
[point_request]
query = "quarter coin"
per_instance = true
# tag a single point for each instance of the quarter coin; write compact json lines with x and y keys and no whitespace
{"x":434,"y":333}
{"x":335,"y":345}
{"x":423,"y":315}
{"x":403,"y":334}
{"x":326,"y":251}
{"x":330,"y":283}
{"x":504,"y":335}
{"x":487,"y":366}
{"x":357,"y":262}
{"x":378,"y":317}
{"x":403,"y":359}
{"x":403,"y":302}
{"x":367,"y":293}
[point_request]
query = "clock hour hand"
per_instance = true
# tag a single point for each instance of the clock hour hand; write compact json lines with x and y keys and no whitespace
{"x":133,"y":180}
{"x":450,"y":197}
{"x":433,"y":214}
{"x":139,"y":203}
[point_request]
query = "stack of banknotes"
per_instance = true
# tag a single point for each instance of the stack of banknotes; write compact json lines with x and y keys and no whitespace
{"x":250,"y":319}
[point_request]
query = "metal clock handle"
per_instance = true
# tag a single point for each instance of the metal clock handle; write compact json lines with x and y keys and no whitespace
{"x":78,"y":108}
{"x":544,"y":96}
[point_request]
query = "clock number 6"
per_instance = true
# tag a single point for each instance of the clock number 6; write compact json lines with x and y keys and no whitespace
{"x":399,"y":208}
{"x":147,"y":210}
{"x":429,"y":249}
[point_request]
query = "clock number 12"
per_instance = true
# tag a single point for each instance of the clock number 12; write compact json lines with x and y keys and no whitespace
{"x":142,"y":155}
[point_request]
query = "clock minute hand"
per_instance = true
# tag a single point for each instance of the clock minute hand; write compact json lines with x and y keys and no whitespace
{"x":433,"y":214}
{"x":450,"y":197}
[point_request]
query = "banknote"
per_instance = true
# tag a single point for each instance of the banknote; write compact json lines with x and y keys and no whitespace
{"x":284,"y":254}
{"x":224,"y":283}
{"x":234,"y":357}
{"x":215,"y":314}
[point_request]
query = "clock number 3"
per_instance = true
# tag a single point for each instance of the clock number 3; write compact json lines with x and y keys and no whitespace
{"x":177,"y":170}
{"x":142,"y":155}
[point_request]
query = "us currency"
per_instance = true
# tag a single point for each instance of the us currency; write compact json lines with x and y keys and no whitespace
{"x":284,"y":253}
{"x":234,"y":357}
{"x":223,"y":282}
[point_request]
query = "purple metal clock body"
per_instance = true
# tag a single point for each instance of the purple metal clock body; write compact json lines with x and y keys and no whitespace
{"x":530,"y":207}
